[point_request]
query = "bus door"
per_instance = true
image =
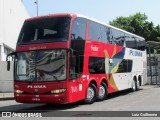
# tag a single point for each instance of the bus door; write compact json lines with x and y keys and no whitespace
{"x":76,"y":86}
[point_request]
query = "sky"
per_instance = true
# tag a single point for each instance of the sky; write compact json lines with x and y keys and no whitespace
{"x":101,"y":10}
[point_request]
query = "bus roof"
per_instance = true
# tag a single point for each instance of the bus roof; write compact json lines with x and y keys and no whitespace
{"x":49,"y":16}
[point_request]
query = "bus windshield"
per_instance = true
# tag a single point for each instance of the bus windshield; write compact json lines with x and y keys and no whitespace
{"x":46,"y":65}
{"x":42,"y":30}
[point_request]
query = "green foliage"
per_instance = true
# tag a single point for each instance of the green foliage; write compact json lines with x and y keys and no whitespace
{"x":138,"y":24}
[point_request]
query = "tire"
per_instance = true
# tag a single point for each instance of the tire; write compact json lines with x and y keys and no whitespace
{"x":134,"y":85}
{"x":138,"y":85}
{"x":103,"y":92}
{"x":91,"y":94}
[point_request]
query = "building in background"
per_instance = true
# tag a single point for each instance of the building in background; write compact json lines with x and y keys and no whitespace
{"x":12,"y":16}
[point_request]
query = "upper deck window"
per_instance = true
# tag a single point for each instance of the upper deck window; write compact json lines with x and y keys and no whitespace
{"x":99,"y":32}
{"x":45,"y":30}
{"x":78,"y":29}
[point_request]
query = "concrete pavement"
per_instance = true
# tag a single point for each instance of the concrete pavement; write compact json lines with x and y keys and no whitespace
{"x":145,"y":100}
{"x":10,"y":96}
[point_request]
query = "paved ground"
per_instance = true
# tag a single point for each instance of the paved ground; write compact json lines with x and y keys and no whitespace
{"x":146,"y":99}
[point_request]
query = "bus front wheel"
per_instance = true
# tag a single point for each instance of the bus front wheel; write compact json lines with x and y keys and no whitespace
{"x":91,"y":94}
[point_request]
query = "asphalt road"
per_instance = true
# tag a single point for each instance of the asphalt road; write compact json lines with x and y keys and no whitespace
{"x":146,"y":99}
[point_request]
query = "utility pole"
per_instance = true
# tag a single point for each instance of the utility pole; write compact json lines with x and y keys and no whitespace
{"x":36,"y":2}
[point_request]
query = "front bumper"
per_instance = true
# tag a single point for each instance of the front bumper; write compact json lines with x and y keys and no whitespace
{"x":42,"y":98}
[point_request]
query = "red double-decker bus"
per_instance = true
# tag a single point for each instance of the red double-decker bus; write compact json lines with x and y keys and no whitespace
{"x":64,"y":58}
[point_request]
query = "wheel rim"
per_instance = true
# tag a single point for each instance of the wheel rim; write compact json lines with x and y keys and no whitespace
{"x":90,"y":93}
{"x":101,"y":91}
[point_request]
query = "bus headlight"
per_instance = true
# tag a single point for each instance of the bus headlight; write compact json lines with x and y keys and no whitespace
{"x":18,"y":91}
{"x":58,"y":91}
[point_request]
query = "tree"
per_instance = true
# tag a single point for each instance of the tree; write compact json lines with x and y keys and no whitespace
{"x":138,"y":24}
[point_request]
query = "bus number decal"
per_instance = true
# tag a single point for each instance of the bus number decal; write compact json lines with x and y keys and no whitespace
{"x":75,"y":89}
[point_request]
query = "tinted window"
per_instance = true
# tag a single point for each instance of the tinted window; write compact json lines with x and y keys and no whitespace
{"x":99,"y":32}
{"x":77,"y":69}
{"x":125,"y":66}
{"x":45,"y":30}
{"x":130,"y":41}
{"x":141,"y":44}
{"x":104,"y":32}
{"x":118,"y":37}
{"x":96,"y":65}
{"x":130,"y":64}
{"x":77,"y":45}
{"x":78,"y":29}
{"x":109,"y":36}
{"x":94,"y":31}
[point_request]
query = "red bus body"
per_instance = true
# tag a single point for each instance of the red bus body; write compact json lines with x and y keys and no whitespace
{"x":72,"y":90}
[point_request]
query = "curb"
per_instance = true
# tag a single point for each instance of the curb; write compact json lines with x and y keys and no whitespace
{"x":9,"y":98}
{"x":6,"y":96}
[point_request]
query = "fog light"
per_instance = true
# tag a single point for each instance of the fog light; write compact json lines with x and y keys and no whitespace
{"x":18,"y":91}
{"x":58,"y":91}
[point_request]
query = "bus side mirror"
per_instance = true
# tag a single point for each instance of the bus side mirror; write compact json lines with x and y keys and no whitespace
{"x":8,"y":62}
{"x":8,"y":65}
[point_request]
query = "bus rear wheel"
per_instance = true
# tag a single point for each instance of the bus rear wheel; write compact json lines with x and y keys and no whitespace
{"x":91,"y":94}
{"x":138,"y":85}
{"x":134,"y":85}
{"x":103,"y":92}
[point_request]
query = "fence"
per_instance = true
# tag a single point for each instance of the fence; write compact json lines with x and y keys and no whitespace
{"x":153,"y":70}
